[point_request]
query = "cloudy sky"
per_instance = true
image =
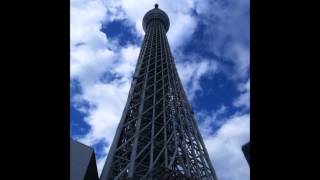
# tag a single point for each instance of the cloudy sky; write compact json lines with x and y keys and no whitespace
{"x":210,"y":43}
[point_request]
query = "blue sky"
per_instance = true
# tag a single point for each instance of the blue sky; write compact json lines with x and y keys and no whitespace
{"x":210,"y":43}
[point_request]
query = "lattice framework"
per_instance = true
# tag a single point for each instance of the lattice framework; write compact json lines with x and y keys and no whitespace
{"x":157,"y":137}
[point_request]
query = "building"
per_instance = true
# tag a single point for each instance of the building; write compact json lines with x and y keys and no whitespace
{"x":82,"y":162}
{"x":157,"y":137}
{"x":246,"y":151}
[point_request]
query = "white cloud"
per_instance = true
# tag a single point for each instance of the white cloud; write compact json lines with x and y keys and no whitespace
{"x":241,"y":58}
{"x":85,"y":19}
{"x":108,"y":99}
{"x":224,"y":148}
{"x":227,"y":32}
{"x":191,"y":73}
{"x":182,"y":27}
{"x":209,"y":119}
{"x":244,"y":98}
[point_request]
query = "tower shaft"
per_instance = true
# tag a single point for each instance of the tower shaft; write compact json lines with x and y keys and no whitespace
{"x":157,"y":137}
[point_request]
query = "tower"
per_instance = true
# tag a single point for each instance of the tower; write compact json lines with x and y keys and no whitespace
{"x":157,"y":137}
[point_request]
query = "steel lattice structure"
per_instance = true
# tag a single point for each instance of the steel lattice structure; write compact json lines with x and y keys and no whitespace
{"x":157,"y":137}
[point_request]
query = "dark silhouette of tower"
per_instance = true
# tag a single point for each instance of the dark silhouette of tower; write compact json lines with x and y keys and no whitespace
{"x":157,"y":137}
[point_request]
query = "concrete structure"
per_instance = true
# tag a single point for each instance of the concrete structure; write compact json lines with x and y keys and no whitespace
{"x":82,"y":162}
{"x":246,"y":151}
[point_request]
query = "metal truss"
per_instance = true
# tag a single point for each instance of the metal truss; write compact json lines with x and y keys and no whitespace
{"x":157,"y":137}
